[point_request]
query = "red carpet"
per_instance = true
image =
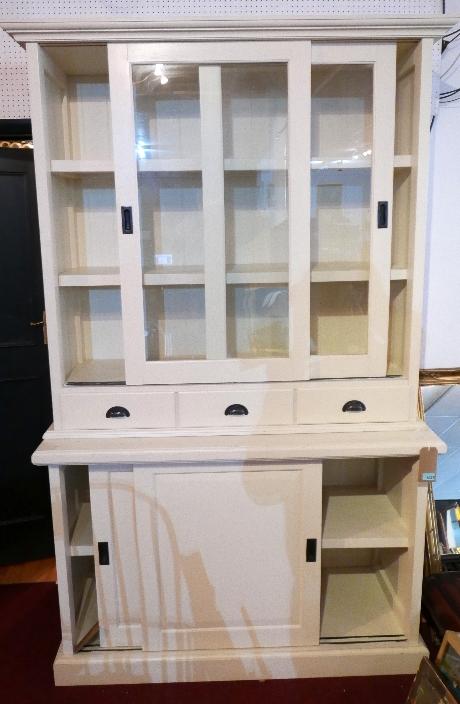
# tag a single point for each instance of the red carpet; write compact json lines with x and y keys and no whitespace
{"x":29,"y":638}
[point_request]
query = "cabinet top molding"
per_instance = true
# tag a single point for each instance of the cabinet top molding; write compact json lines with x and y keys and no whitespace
{"x":115,"y":29}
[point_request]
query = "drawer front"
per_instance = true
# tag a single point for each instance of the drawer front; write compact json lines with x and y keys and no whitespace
{"x":352,"y":405}
{"x":103,"y":411}
{"x":235,"y":408}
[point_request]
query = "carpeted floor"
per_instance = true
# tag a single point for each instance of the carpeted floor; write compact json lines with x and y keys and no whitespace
{"x":29,"y":638}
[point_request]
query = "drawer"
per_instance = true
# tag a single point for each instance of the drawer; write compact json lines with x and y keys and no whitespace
{"x":89,"y":411}
{"x":226,"y":408}
{"x":326,"y":404}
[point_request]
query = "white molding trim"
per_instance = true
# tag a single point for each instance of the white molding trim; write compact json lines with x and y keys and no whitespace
{"x":66,"y":30}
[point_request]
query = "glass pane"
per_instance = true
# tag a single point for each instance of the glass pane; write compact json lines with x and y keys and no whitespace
{"x":167,"y":111}
{"x":175,"y":322}
{"x":341,"y":181}
{"x":339,"y":318}
{"x":168,"y":148}
{"x":256,"y":208}
{"x":257,"y":321}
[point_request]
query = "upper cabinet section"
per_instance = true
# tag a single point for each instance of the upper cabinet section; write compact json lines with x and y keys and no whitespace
{"x":225,"y":211}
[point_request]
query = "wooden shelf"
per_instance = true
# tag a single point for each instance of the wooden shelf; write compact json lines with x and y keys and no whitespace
{"x":174,"y":276}
{"x":357,"y":606}
{"x":255,"y":164}
{"x":168,"y":165}
{"x":343,"y":271}
{"x":403,"y":161}
{"x":331,"y":163}
{"x":98,"y":371}
{"x":90,"y":276}
{"x":81,"y":542}
{"x":361,"y":518}
{"x":258,"y":274}
{"x":73,"y":167}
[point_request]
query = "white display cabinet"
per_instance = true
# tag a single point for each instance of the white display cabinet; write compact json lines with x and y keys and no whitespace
{"x":232,"y":218}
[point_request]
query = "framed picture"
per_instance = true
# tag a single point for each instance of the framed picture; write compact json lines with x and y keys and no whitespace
{"x":428,"y":687}
{"x":448,"y":662}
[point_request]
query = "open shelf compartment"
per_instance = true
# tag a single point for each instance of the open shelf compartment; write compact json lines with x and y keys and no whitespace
{"x":359,"y":603}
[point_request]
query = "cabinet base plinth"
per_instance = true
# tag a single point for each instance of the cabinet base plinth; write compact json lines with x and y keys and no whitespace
{"x":137,"y":667}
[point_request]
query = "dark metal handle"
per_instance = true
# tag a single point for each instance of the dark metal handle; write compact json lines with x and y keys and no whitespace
{"x":310,"y":552}
{"x":127,"y":219}
{"x":354,"y":407}
{"x":117,"y":412}
{"x":236,"y":409}
{"x":382,"y":214}
{"x":103,"y":550}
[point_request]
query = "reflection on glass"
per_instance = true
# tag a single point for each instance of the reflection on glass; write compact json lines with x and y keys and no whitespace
{"x":167,"y":111}
{"x":257,"y":321}
{"x":256,"y":219}
{"x":342,"y":117}
{"x":341,"y":180}
{"x":175,"y":322}
{"x":339,"y":318}
{"x":340,"y":218}
{"x":254,"y":111}
{"x":171,"y":215}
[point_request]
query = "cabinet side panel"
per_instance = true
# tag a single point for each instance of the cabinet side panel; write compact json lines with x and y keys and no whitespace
{"x":37,"y":63}
{"x":63,"y":558}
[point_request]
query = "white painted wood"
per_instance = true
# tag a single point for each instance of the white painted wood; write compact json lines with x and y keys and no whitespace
{"x":135,"y":667}
{"x":81,"y":543}
{"x":325,"y":405}
{"x":115,"y":29}
{"x":282,"y":362}
{"x":242,"y":448}
{"x":126,"y":195}
{"x":348,"y":272}
{"x":361,"y":518}
{"x":369,"y":354}
{"x":416,"y":249}
{"x":98,"y":371}
{"x":63,"y":558}
{"x":356,"y":605}
{"x":250,"y":274}
{"x":37,"y":83}
{"x":169,"y":165}
{"x":69,"y":167}
{"x":90,"y":276}
{"x":227,"y":583}
{"x":199,"y":409}
{"x":118,"y":585}
{"x":212,"y":160}
{"x":403,"y":161}
{"x":145,"y":409}
{"x":175,"y":276}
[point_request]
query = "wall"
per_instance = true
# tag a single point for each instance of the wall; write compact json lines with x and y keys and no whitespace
{"x":441,"y":343}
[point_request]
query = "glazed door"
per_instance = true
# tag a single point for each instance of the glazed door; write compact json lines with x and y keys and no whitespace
{"x":352,"y":148}
{"x":211,"y":143}
{"x":230,"y":557}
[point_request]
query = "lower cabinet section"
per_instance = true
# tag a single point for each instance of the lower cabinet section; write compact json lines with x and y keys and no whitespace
{"x":226,"y":557}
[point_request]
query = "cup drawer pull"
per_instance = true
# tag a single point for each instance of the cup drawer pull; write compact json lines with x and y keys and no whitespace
{"x":354,"y":407}
{"x":236,"y":409}
{"x":117,"y":412}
